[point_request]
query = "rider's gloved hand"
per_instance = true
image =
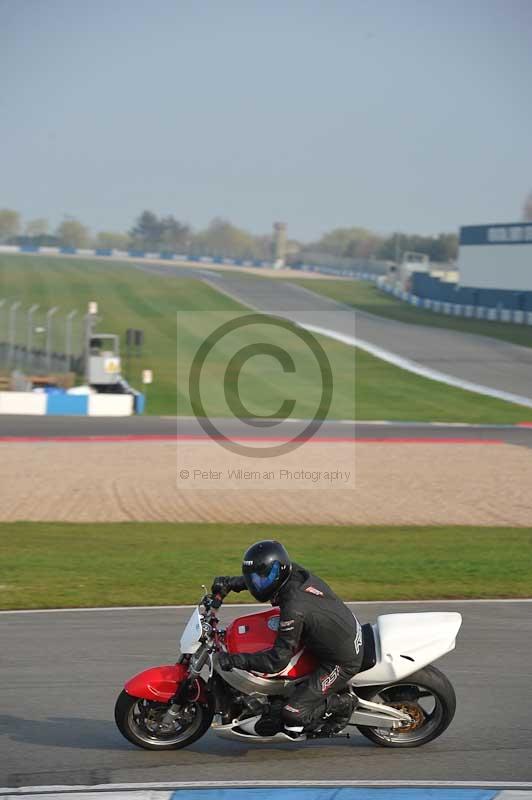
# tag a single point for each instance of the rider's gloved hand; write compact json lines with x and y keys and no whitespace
{"x":226,"y":661}
{"x":221,"y":586}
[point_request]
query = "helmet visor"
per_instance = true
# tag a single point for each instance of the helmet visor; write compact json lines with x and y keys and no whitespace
{"x":262,"y":582}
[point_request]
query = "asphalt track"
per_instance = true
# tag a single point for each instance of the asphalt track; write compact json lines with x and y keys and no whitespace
{"x":468,"y":357}
{"x":61,"y":673}
{"x":133,"y":428}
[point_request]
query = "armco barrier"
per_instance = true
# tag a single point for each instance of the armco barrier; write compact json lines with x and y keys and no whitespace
{"x":110,"y":405}
{"x":62,"y":404}
{"x":22,"y":403}
{"x":517,"y":316}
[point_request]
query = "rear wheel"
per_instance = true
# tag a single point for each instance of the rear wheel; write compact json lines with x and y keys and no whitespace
{"x":142,"y":722}
{"x":427,"y":696}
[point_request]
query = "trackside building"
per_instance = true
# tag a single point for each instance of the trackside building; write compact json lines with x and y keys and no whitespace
{"x":496,"y":256}
{"x":495,"y":271}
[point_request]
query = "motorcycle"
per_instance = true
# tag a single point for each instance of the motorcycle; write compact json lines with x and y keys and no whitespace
{"x":402,"y":700}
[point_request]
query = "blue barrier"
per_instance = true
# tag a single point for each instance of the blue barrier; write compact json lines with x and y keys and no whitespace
{"x":136,"y":253}
{"x":70,"y":251}
{"x":29,"y":248}
{"x":167,"y":256}
{"x":62,"y":404}
{"x":139,"y":402}
{"x":336,"y":793}
{"x":429,"y":287}
{"x":103,"y":251}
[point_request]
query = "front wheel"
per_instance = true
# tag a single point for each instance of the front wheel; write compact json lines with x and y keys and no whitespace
{"x":427,"y":696}
{"x":142,"y":722}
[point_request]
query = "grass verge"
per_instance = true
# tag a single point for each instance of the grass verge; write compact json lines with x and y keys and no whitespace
{"x":44,"y":565}
{"x":364,"y":387}
{"x":366,"y":297}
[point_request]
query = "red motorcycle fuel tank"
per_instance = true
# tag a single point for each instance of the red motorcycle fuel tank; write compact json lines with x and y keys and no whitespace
{"x":256,"y":632}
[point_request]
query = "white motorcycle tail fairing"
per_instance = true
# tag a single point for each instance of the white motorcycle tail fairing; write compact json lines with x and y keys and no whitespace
{"x":405,"y":643}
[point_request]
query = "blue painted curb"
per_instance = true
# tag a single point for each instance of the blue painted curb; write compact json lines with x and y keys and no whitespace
{"x":334,"y":793}
{"x":62,"y":404}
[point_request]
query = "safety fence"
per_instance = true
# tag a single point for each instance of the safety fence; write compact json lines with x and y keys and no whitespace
{"x":37,"y":361}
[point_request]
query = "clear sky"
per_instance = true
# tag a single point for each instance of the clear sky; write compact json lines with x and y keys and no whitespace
{"x":391,"y":114}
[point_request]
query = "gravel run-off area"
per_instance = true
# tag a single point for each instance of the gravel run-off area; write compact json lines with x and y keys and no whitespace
{"x":379,"y":483}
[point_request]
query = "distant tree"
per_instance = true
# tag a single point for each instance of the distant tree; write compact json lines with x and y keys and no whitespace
{"x":9,"y":223}
{"x":175,"y":235}
{"x":165,"y":233}
{"x":352,"y":242}
{"x":444,"y":248}
{"x":36,"y":227}
{"x":363,"y":246}
{"x":441,"y":248}
{"x":527,"y":209}
{"x":71,"y":233}
{"x":147,"y":231}
{"x":221,"y":238}
{"x":113,"y":240}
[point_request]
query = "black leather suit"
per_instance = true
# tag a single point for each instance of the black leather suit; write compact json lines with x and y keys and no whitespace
{"x":312,"y":616}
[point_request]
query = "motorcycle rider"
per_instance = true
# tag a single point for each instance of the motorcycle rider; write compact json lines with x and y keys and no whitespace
{"x":312,"y":616}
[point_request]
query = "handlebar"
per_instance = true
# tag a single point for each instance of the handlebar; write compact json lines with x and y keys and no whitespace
{"x":217,"y":601}
{"x":212,"y":601}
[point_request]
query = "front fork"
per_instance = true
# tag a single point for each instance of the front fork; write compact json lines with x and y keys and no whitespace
{"x":191,"y":690}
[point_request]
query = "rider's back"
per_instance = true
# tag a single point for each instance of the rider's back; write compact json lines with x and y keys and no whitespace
{"x":330,"y":630}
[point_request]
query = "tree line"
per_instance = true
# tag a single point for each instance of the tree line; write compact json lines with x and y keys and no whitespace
{"x":153,"y":233}
{"x":149,"y":232}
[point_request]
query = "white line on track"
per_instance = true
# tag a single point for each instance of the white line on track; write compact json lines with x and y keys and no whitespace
{"x":267,"y":784}
{"x":417,"y":368}
{"x":238,"y":606}
{"x":386,"y":355}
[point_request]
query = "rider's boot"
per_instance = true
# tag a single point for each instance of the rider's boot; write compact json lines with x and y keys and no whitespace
{"x":337,"y":714}
{"x":341,"y":705}
{"x":294,"y":732}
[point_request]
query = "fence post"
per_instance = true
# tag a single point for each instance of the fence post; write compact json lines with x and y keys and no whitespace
{"x":12,"y":327}
{"x":29,"y":332}
{"x":49,"y":315}
{"x":68,"y":336}
{"x":2,"y":303}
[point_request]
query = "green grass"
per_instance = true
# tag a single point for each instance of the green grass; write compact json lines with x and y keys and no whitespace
{"x":364,"y":387}
{"x":45,"y":565}
{"x":365,"y":296}
{"x":127,"y":297}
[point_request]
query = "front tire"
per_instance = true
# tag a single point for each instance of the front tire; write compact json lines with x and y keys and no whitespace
{"x":140,"y":721}
{"x":429,"y":698}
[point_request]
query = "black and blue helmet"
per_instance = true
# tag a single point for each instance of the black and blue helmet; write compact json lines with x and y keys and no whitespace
{"x":266,"y":567}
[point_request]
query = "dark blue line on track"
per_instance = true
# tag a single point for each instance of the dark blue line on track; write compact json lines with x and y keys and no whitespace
{"x":335,"y":793}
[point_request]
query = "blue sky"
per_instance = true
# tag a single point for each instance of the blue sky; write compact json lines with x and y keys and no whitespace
{"x":390,"y":114}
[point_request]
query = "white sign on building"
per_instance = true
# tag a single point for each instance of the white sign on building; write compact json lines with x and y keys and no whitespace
{"x":496,"y":256}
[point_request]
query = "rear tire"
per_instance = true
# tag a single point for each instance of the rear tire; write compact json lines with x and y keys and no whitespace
{"x":429,"y":723}
{"x":137,"y":720}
